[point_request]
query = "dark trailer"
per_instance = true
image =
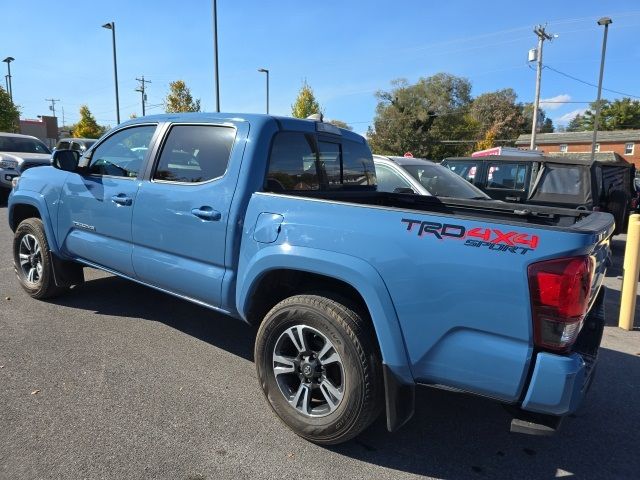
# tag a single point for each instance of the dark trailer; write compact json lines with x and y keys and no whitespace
{"x":567,"y":180}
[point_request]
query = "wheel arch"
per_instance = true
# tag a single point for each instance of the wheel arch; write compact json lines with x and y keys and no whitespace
{"x":23,"y":206}
{"x":275,"y":274}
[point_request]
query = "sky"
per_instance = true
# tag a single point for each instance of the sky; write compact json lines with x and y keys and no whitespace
{"x":346,"y":50}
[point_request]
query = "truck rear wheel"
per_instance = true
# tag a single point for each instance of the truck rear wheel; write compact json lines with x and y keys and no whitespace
{"x":32,"y":260}
{"x":319,"y":368}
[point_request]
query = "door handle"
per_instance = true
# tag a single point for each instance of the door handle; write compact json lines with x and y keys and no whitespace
{"x":122,"y":199}
{"x":206,"y":213}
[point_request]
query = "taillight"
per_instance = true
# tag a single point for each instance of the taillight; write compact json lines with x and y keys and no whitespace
{"x":560,"y":293}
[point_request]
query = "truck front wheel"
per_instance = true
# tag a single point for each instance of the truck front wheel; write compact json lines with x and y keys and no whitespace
{"x":32,"y":260}
{"x":319,"y":368}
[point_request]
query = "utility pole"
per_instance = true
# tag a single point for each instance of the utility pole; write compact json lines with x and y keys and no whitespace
{"x":53,"y":104}
{"x":542,"y":36}
{"x":63,"y":116}
{"x":215,"y":53}
{"x":141,"y":89}
{"x":604,"y":21}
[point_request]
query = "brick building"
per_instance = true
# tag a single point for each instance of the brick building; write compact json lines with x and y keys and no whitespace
{"x":623,"y":142}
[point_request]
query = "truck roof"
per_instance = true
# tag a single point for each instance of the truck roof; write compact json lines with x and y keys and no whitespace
{"x":608,"y":158}
{"x":285,"y":123}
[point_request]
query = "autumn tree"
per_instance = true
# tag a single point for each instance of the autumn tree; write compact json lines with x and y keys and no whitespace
{"x":9,"y":113}
{"x":87,"y":127}
{"x":179,"y":99}
{"x":306,"y":103}
{"x":429,"y":118}
{"x":498,"y":117}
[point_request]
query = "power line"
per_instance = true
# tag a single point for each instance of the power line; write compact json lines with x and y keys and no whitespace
{"x":590,"y":84}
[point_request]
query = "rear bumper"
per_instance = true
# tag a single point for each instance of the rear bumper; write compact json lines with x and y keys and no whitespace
{"x":558,"y":384}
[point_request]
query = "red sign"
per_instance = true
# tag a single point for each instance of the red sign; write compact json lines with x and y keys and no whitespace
{"x":408,"y":155}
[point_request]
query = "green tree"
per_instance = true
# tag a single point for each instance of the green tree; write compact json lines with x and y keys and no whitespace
{"x":306,"y":103}
{"x":498,"y":117}
{"x":545,"y":124}
{"x":341,"y":124}
{"x":179,"y":99}
{"x":9,"y":114}
{"x":621,"y":114}
{"x":429,"y":118}
{"x":87,"y":127}
{"x":576,"y":124}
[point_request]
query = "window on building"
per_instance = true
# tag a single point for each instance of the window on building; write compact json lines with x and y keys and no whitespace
{"x":628,"y":148}
{"x":564,"y":147}
{"x":597,"y":147}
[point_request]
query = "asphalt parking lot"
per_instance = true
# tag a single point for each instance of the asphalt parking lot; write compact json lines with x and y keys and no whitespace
{"x":118,"y":381}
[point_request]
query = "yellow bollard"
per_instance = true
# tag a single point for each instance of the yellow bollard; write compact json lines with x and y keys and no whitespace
{"x":631,"y":270}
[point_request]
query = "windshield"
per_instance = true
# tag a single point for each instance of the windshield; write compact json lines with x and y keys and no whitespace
{"x":22,"y":145}
{"x":442,"y":182}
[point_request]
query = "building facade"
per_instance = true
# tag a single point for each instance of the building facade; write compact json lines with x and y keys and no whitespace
{"x":625,"y":143}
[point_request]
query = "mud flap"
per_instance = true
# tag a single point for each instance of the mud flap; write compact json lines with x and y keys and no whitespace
{"x":66,"y":273}
{"x":400,"y":399}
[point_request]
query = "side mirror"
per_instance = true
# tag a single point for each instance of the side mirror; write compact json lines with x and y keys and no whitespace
{"x":65,"y":160}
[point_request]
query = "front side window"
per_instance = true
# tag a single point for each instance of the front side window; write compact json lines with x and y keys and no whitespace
{"x":301,"y":161}
{"x":628,"y":148}
{"x":389,"y":180}
{"x":195,"y":153}
{"x":119,"y":155}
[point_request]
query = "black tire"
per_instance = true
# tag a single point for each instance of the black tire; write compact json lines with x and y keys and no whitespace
{"x":352,"y":338}
{"x":44,"y":285}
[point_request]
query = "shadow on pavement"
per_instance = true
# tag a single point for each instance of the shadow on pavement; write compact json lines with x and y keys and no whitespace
{"x":458,"y":436}
{"x":451,"y":435}
{"x":118,"y":297}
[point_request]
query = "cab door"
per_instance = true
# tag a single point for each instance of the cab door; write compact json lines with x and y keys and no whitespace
{"x":181,"y":215}
{"x":96,"y":205}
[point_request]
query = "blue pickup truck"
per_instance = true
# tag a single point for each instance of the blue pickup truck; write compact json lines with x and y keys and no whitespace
{"x":358,"y":295}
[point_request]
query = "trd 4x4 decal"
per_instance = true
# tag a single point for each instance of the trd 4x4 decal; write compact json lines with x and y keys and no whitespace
{"x":479,"y":237}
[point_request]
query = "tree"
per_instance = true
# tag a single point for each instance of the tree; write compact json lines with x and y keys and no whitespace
{"x":498,"y":117}
{"x":9,"y":113}
{"x":620,"y":114}
{"x":575,"y":125}
{"x":341,"y":124}
{"x":429,"y":118}
{"x":87,"y":127}
{"x":545,"y":124}
{"x":179,"y":99}
{"x":306,"y":103}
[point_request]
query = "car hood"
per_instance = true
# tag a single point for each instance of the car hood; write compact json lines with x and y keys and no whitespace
{"x":21,"y":157}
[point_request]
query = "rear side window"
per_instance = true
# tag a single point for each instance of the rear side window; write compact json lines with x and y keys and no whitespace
{"x":507,"y":176}
{"x":195,"y":153}
{"x":301,"y":161}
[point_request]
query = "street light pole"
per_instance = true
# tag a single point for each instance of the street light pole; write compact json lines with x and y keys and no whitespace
{"x":606,"y":21}
{"x":542,"y":36}
{"x":264,"y":70}
{"x":215,"y":53}
{"x":8,"y":61}
{"x":112,"y":26}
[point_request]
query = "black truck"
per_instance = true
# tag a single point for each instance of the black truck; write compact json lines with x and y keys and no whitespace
{"x":571,"y":181}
